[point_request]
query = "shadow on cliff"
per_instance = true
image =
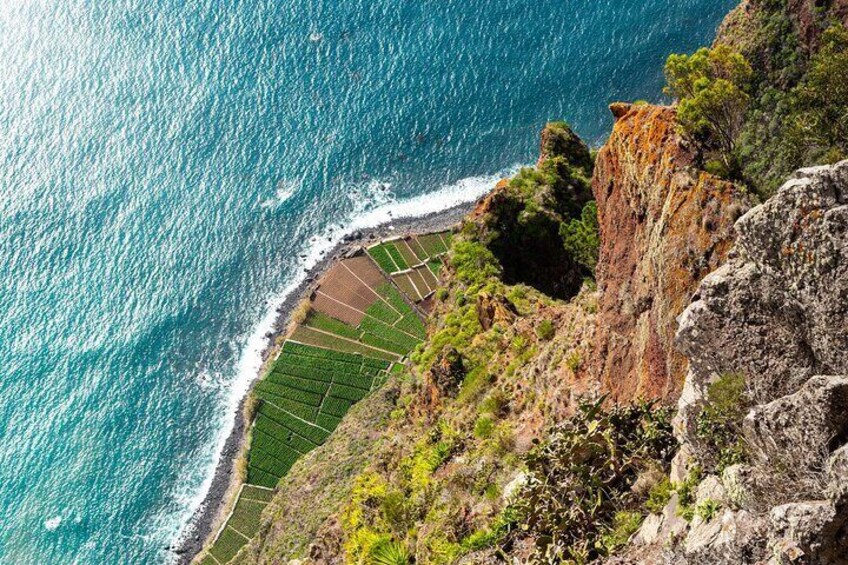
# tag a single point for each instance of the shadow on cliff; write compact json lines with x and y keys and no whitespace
{"x":521,"y":220}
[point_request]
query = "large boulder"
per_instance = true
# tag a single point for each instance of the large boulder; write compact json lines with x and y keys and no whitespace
{"x":777,"y":312}
{"x":664,"y":225}
{"x":799,"y":428}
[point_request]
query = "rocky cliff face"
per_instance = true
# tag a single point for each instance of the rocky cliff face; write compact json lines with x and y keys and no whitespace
{"x":664,"y":226}
{"x":776,"y":316}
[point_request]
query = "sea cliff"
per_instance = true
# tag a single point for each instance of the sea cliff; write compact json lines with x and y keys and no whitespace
{"x":636,"y":354}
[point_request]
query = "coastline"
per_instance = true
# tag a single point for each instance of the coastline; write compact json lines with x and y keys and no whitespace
{"x":207,"y":515}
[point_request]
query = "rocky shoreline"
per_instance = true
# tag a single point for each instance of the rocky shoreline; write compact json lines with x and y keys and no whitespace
{"x":206,"y":516}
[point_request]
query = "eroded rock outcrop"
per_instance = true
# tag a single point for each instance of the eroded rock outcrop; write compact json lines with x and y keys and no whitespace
{"x":520,"y":220}
{"x":664,"y":226}
{"x":776,"y":314}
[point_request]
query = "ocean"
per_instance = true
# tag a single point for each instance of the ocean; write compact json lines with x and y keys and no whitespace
{"x":168,"y":170}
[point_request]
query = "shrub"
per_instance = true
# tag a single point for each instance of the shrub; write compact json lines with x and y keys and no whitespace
{"x":822,"y":119}
{"x":624,"y":525}
{"x":659,"y":496}
{"x":545,"y":330}
{"x":389,"y":552}
{"x":581,"y":237}
{"x":573,"y":361}
{"x":686,"y":493}
{"x":710,"y":86}
{"x":719,"y":423}
{"x":483,"y":427}
{"x":473,"y":262}
{"x":581,"y":478}
{"x":707,"y":509}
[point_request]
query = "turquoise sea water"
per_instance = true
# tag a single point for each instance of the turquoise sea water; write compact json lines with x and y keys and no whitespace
{"x":166,"y":168}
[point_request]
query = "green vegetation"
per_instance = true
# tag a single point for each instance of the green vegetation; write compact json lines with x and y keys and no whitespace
{"x":326,"y":367}
{"x":686,"y":494}
{"x":719,"y":425}
{"x":396,"y":256}
{"x":242,"y":525}
{"x":659,"y":495}
{"x":578,"y":503}
{"x":788,"y":111}
{"x":581,"y":237}
{"x":529,"y":219}
{"x":383,"y":259}
{"x":473,"y":263}
{"x":821,"y":122}
{"x":707,"y":509}
{"x":228,"y":545}
{"x":624,"y":525}
{"x":393,"y":256}
{"x":711,"y":87}
{"x":545,"y":330}
{"x":389,"y":552}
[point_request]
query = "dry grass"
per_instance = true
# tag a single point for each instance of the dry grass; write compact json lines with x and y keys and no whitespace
{"x":784,"y":474}
{"x":299,"y":313}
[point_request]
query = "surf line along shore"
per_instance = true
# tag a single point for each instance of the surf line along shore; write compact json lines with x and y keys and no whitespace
{"x":208,"y":517}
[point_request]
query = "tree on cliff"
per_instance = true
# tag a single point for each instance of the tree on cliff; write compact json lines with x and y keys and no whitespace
{"x":710,"y":87}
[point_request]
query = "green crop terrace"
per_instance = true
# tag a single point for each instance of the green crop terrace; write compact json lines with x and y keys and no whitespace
{"x":324,"y":368}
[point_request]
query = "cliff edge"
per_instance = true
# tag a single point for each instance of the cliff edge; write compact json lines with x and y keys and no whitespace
{"x":663,"y":225}
{"x":763,"y":419}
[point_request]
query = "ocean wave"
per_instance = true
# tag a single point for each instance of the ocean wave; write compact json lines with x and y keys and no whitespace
{"x":285,"y":190}
{"x":374,"y":205}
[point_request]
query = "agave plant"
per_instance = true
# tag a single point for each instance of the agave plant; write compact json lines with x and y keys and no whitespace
{"x":390,"y":552}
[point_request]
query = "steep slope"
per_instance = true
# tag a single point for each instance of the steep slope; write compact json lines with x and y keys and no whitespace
{"x":763,"y":419}
{"x":664,"y":225}
{"x":518,"y":432}
{"x":785,"y":127}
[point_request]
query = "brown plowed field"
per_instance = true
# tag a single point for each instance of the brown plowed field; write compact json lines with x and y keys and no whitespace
{"x":336,"y":310}
{"x":342,"y":286}
{"x":363,"y":268}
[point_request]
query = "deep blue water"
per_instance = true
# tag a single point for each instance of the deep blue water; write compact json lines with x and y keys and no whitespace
{"x":164,"y":164}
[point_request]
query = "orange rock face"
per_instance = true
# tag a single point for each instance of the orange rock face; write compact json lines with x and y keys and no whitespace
{"x":664,"y":226}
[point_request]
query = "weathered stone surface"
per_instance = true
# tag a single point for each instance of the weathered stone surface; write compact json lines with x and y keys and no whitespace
{"x":738,"y":485}
{"x":559,"y":140}
{"x":711,"y":488}
{"x":681,"y":465}
{"x":837,"y":476}
{"x":730,"y":537}
{"x":664,"y":226}
{"x":814,"y":531}
{"x":799,"y":427}
{"x":494,"y":310}
{"x":649,"y":531}
{"x":447,"y":372}
{"x":777,"y":312}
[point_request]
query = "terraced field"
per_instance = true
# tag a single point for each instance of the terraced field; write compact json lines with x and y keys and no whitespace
{"x":413,"y":262}
{"x":360,"y":327}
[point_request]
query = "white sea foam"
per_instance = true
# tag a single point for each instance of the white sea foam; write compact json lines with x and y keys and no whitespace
{"x":285,"y":190}
{"x":52,"y":523}
{"x":374,"y":205}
